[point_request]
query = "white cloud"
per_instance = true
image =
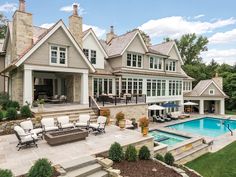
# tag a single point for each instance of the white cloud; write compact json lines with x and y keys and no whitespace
{"x":175,"y":26}
{"x":8,"y":7}
{"x":69,"y":9}
{"x":222,"y":56}
{"x":98,"y":31}
{"x":223,"y":37}
{"x":199,"y":16}
{"x":47,"y":25}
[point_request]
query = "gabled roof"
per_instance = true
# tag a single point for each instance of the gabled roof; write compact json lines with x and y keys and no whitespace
{"x":201,"y":87}
{"x":90,"y":31}
{"x":119,"y":44}
{"x":41,"y":38}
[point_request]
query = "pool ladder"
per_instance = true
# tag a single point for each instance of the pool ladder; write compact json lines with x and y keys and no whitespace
{"x":229,"y":129}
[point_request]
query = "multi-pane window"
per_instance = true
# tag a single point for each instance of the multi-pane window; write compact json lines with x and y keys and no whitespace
{"x":58,"y":55}
{"x":149,"y":86}
{"x":156,"y":87}
{"x":102,"y":86}
{"x":163,"y":87}
{"x":159,"y":88}
{"x":132,"y":85}
{"x":175,"y":88}
{"x":155,"y":63}
{"x":93,"y":56}
{"x":170,"y":65}
{"x":86,"y":53}
{"x":187,"y":86}
{"x":134,"y":60}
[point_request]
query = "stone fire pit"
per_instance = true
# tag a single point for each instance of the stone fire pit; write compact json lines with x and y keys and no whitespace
{"x":65,"y":136}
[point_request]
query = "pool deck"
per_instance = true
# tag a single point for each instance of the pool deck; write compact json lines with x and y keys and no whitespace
{"x":218,"y":142}
{"x":20,"y":161}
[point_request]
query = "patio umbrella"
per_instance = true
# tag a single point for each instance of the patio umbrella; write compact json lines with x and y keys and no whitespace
{"x":155,"y":107}
{"x":189,"y":103}
{"x":170,"y":105}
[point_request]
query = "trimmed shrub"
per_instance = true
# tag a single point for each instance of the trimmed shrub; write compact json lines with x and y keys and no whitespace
{"x":25,"y":112}
{"x":5,"y":173}
{"x":4,"y":98}
{"x":144,"y":153}
{"x":14,"y":104}
{"x":11,"y":113}
{"x":1,"y":115}
{"x":41,"y":168}
{"x":116,"y":152}
{"x":169,"y":159}
{"x":159,"y":157}
{"x":131,"y":154}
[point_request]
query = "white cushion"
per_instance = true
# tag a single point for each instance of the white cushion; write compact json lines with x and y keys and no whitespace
{"x":50,"y":128}
{"x":48,"y":122}
{"x":93,"y":125}
{"x":63,"y":120}
{"x":29,"y":138}
{"x":27,"y":125}
{"x":20,"y":131}
{"x":81,"y":124}
{"x":101,"y":119}
{"x":84,"y":118}
{"x":69,"y":125}
{"x":36,"y":130}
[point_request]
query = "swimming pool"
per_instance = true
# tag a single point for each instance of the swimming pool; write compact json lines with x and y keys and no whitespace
{"x":167,"y":138}
{"x":207,"y":126}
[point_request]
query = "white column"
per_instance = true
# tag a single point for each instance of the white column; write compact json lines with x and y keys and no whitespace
{"x":201,"y":107}
{"x":28,"y":86}
{"x":222,"y":106}
{"x":84,"y":89}
{"x":113,"y":86}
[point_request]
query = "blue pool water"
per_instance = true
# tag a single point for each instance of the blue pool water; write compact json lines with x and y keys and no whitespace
{"x":208,"y":126}
{"x":167,"y":138}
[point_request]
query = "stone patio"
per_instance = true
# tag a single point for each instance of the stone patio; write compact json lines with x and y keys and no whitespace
{"x":20,"y":161}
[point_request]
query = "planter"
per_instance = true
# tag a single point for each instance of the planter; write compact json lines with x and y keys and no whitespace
{"x":122,"y":124}
{"x":145,"y":131}
{"x":40,"y":107}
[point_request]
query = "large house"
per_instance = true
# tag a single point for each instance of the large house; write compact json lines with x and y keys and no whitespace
{"x":75,"y":63}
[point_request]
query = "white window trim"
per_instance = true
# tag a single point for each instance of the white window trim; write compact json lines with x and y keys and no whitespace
{"x":137,"y":54}
{"x":89,"y":55}
{"x":58,"y":55}
{"x":212,"y":90}
{"x":154,"y":58}
{"x":168,"y":61}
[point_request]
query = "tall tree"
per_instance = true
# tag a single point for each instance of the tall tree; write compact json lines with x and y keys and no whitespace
{"x":190,"y":47}
{"x":3,"y":26}
{"x":146,"y":38}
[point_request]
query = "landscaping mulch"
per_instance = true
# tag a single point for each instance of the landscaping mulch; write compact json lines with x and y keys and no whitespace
{"x":144,"y":168}
{"x":189,"y":173}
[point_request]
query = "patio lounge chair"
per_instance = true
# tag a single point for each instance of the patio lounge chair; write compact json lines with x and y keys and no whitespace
{"x":129,"y":124}
{"x":84,"y":121}
{"x":157,"y":119}
{"x":48,"y":124}
{"x":99,"y":127}
{"x":64,"y":122}
{"x":25,"y":139}
{"x":171,"y":117}
{"x":28,"y":127}
{"x":165,"y":118}
{"x":179,"y":115}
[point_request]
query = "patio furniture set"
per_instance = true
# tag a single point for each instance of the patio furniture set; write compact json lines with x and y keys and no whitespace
{"x":169,"y":116}
{"x":59,"y":132}
{"x":56,"y":99}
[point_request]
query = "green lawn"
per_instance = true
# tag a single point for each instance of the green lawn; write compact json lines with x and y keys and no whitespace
{"x":219,"y":164}
{"x":230,"y":112}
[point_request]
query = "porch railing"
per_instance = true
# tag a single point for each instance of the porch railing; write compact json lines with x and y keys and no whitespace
{"x":93,"y":104}
{"x":118,"y":100}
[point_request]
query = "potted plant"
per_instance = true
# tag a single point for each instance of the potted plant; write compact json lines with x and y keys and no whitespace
{"x":143,"y":123}
{"x":120,"y":119}
{"x":40,"y":103}
{"x":106,"y":113}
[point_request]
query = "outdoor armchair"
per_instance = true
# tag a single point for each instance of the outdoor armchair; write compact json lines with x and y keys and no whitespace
{"x":84,"y":121}
{"x":28,"y":127}
{"x":48,"y":124}
{"x":64,"y":122}
{"x":99,"y":127}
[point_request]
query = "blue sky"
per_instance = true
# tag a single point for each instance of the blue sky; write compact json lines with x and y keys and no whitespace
{"x":215,"y":19}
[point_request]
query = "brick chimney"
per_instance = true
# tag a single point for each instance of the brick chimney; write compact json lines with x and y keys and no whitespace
{"x":110,"y":35}
{"x":218,"y":80}
{"x":22,"y":30}
{"x":76,"y":25}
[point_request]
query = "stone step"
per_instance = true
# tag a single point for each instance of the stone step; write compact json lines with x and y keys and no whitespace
{"x":85,"y":171}
{"x":67,"y":113}
{"x":101,"y":173}
{"x":191,"y":154}
{"x":78,"y":163}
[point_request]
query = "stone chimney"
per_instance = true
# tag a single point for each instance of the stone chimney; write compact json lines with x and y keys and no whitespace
{"x":22,"y":31}
{"x":110,"y":35}
{"x":76,"y":26}
{"x":218,"y":80}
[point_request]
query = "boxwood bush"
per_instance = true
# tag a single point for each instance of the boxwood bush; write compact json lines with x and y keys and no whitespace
{"x":5,"y":173}
{"x":131,"y":154}
{"x":169,"y":159}
{"x":41,"y":168}
{"x":14,"y":104}
{"x":116,"y":152}
{"x":25,"y":112}
{"x":1,"y":115}
{"x":159,"y":157}
{"x":11,"y":114}
{"x":144,"y":153}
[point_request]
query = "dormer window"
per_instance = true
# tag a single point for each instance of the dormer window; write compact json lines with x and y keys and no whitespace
{"x":91,"y":55}
{"x":134,"y":60}
{"x":170,"y":65}
{"x":58,"y":55}
{"x":155,"y":63}
{"x":211,"y":92}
